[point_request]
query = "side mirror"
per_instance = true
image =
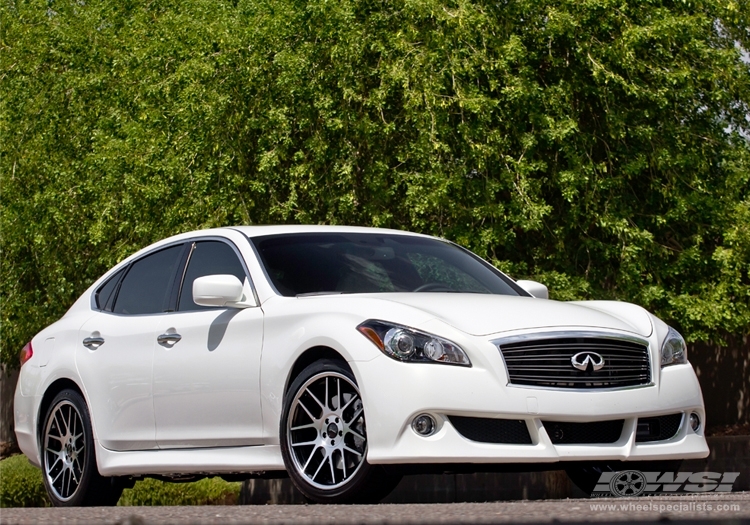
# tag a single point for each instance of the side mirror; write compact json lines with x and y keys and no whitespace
{"x":220,"y":290}
{"x":536,"y":289}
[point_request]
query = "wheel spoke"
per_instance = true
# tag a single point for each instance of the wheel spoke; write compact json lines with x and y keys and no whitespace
{"x":305,"y":443}
{"x":74,"y":425}
{"x":56,"y":460}
{"x":346,"y":447}
{"x":323,"y":462}
{"x":309,"y":459}
{"x":352,"y":400}
{"x":333,"y":474}
{"x":360,"y":436}
{"x":78,"y":462}
{"x":316,"y":400}
{"x":338,"y":389}
{"x":343,"y":463}
{"x":300,"y":403}
{"x":356,"y":415}
{"x":68,"y":478}
{"x":67,"y":422}
{"x":57,"y":422}
{"x":327,"y":398}
{"x":58,"y":475}
{"x":300,"y":427}
{"x":73,"y":475}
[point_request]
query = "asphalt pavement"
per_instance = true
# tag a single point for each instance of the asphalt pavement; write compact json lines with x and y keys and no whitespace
{"x":727,"y":508}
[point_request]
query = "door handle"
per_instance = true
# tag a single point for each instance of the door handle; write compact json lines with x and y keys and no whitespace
{"x":168,"y":339}
{"x":92,"y":343}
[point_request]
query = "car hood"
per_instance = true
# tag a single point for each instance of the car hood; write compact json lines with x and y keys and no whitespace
{"x":479,"y":314}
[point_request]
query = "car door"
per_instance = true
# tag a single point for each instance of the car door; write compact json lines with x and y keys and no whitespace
{"x":207,"y":368}
{"x":116,"y":350}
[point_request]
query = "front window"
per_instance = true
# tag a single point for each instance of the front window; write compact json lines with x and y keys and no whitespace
{"x":328,"y":263}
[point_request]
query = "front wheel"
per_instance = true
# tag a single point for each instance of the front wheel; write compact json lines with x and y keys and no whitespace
{"x":324,"y":438}
{"x":68,"y":460}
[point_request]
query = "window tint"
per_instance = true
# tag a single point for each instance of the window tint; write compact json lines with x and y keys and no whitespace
{"x":367,"y":263}
{"x":145,"y":288}
{"x":434,"y":270}
{"x":208,"y":258}
{"x":105,"y":292}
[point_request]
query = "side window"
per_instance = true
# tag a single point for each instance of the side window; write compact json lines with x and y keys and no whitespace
{"x":105,"y":293}
{"x":208,"y":258}
{"x":145,"y":288}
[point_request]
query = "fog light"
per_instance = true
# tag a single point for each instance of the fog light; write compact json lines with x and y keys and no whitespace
{"x":424,"y":425}
{"x":695,"y":422}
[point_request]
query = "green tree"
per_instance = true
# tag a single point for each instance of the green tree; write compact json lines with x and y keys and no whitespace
{"x":599,"y":146}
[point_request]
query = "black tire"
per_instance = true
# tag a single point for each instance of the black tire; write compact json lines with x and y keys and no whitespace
{"x":68,"y":458}
{"x":586,"y":475}
{"x":335,"y":428}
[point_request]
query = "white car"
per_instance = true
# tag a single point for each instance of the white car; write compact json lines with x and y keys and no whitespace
{"x":344,"y":357}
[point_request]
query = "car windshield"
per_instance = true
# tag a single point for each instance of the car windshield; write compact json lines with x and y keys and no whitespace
{"x":330,"y":263}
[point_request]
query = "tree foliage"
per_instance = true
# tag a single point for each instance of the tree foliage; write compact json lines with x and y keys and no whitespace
{"x":600,"y":146}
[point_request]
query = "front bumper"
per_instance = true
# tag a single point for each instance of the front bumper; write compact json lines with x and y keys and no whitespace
{"x":394,"y":393}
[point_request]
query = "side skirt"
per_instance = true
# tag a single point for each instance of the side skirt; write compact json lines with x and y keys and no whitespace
{"x":255,"y":460}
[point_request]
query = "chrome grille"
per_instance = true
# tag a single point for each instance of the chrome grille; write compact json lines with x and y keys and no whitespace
{"x":547,"y":362}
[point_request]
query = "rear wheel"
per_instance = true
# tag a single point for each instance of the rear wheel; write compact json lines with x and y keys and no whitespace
{"x":68,"y":460}
{"x":324,"y":438}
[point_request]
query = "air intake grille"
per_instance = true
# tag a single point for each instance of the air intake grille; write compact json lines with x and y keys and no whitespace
{"x":548,"y":362}
{"x":562,"y":433}
{"x":487,"y":430}
{"x":657,"y":428}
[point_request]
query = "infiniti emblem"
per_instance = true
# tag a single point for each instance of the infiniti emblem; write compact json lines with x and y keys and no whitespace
{"x":584,"y":360}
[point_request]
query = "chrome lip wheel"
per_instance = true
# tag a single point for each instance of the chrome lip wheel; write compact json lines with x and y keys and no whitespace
{"x":64,"y":450}
{"x":326,"y":430}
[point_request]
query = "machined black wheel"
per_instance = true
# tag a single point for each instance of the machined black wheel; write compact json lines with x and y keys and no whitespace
{"x":324,"y":438}
{"x":68,"y":460}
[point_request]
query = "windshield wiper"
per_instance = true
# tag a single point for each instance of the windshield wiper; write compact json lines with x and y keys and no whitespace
{"x":310,"y":294}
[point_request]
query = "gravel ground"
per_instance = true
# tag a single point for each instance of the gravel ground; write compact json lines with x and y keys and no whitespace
{"x":728,"y":508}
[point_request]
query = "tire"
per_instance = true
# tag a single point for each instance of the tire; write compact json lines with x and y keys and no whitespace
{"x":586,"y":475}
{"x":324,"y":438}
{"x":68,"y":458}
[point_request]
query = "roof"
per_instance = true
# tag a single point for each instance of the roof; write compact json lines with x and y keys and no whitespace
{"x":257,"y":231}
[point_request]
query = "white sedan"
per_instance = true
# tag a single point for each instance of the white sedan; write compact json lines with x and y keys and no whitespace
{"x":343,"y":357}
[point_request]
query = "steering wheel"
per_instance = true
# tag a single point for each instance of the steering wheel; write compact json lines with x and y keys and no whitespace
{"x":431,"y":287}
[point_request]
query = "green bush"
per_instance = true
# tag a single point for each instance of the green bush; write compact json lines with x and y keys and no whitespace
{"x":209,"y":491}
{"x":21,"y":484}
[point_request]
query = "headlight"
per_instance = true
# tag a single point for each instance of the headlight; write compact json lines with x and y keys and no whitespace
{"x":406,"y":344}
{"x":674,"y":349}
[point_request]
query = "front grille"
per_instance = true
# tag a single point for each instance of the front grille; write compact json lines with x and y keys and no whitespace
{"x":486,"y":430}
{"x":657,"y":428}
{"x":562,"y":433}
{"x":548,"y":362}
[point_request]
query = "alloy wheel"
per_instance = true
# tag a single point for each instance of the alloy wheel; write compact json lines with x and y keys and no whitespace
{"x":326,"y":430}
{"x":64,"y":450}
